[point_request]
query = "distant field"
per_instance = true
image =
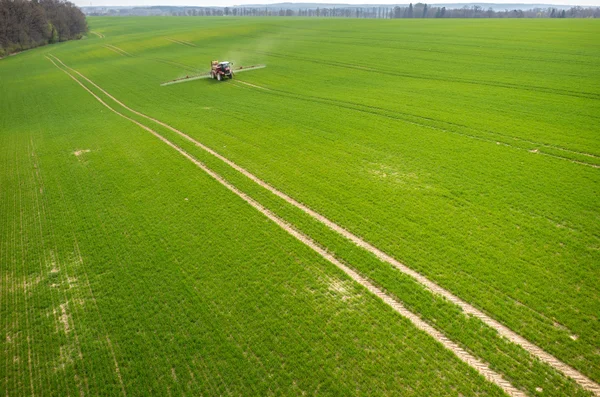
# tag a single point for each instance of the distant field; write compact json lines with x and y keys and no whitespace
{"x":451,"y":165}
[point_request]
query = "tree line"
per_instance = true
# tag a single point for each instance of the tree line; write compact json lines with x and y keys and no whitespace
{"x":26,"y":24}
{"x":419,"y":10}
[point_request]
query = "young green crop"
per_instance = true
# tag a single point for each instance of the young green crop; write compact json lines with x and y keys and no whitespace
{"x":464,"y":151}
{"x":453,"y":145}
{"x":126,"y":270}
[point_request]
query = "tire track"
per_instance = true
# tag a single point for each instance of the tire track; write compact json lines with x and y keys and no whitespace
{"x":409,"y":118}
{"x":118,"y":373}
{"x":165,"y":61}
{"x":117,"y":50}
{"x":5,"y":259}
{"x":251,"y":85}
{"x":68,"y":317}
{"x":368,"y":41}
{"x":185,"y":43}
{"x":458,"y":125}
{"x":180,"y":65}
{"x":512,"y":336}
{"x":109,"y":343}
{"x":100,"y":35}
{"x":557,"y":91}
{"x":393,"y":37}
{"x":481,"y":367}
{"x":24,"y":269}
{"x":112,"y":49}
{"x":17,"y":237}
{"x":40,"y":216}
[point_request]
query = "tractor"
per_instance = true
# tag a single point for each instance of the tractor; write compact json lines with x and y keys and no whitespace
{"x":221,"y":70}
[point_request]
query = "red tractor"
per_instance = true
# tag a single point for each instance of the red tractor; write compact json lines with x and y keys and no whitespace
{"x":220,"y":70}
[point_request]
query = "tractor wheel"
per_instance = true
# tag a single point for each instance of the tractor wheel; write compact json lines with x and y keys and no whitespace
{"x":219,"y":76}
{"x":230,"y":76}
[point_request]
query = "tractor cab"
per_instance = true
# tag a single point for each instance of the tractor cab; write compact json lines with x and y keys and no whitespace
{"x":220,"y":70}
{"x":224,"y":66}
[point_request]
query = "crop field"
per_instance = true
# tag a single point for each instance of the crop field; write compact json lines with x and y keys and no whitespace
{"x":389,"y":207}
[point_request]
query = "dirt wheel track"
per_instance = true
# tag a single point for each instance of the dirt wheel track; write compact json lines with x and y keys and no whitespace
{"x":534,"y":350}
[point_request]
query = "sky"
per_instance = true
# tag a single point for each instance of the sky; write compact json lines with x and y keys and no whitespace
{"x":205,"y":3}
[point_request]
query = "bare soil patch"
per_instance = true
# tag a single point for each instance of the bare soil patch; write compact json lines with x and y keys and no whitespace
{"x":78,"y":153}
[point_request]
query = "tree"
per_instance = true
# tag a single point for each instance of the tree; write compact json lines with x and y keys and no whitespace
{"x":26,"y":24}
{"x":410,"y":11}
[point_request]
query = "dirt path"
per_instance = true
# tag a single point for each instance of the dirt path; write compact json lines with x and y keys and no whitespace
{"x":463,"y":355}
{"x":534,"y":350}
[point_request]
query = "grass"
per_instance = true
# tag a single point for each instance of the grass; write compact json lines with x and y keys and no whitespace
{"x":456,"y":146}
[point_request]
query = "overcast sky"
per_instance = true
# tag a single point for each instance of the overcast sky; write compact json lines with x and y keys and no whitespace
{"x":241,"y":2}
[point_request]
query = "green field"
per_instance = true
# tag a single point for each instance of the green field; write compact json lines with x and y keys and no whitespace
{"x":467,"y":150}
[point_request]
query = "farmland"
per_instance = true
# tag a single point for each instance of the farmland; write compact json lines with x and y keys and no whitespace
{"x":463,"y":151}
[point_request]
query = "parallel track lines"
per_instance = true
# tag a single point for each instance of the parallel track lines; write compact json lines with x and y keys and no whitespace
{"x":19,"y":227}
{"x":40,"y":212}
{"x":555,"y":91}
{"x":4,"y":273}
{"x":406,"y":118}
{"x":252,"y":85}
{"x":185,"y":43}
{"x":38,"y":221}
{"x":542,"y":355}
{"x":108,"y":341}
{"x":463,"y":355}
{"x":41,"y":217}
{"x":117,"y":50}
{"x":14,"y":368}
{"x":112,"y":49}
{"x":383,"y":112}
{"x":25,"y":297}
{"x":181,"y":65}
{"x":17,"y":358}
{"x":33,"y":173}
